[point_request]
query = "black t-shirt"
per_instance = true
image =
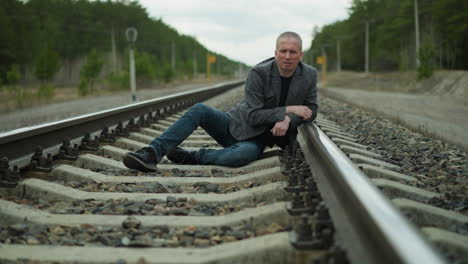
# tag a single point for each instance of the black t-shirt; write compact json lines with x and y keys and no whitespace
{"x":267,"y":138}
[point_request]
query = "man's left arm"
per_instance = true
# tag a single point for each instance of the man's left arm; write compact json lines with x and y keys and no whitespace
{"x":310,"y":101}
{"x":292,"y":120}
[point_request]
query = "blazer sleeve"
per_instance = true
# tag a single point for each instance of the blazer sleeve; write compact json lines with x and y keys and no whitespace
{"x":255,"y":102}
{"x":310,"y":101}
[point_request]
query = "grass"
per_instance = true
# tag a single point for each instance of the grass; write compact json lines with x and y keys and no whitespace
{"x":20,"y":97}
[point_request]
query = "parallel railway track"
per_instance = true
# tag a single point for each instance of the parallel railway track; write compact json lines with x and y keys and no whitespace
{"x":81,"y":205}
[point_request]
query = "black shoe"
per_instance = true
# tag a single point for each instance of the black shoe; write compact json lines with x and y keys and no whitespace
{"x":143,"y":160}
{"x":182,"y":156}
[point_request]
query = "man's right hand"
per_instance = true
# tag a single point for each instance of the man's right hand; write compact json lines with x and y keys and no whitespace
{"x":299,"y":110}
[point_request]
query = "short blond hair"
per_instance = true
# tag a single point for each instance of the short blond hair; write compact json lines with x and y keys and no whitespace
{"x":289,"y":34}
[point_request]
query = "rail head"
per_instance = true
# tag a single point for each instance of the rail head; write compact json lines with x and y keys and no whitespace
{"x":368,"y":225}
{"x":18,"y":145}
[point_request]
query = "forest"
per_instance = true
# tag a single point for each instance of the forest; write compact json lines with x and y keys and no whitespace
{"x":443,"y":36}
{"x":40,"y":38}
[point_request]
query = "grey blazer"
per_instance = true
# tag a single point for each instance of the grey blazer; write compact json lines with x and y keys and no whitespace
{"x":259,"y":109}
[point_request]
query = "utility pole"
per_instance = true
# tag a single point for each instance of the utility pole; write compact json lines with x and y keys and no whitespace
{"x":194,"y":64}
{"x":367,"y":47}
{"x":131,"y":34}
{"x":338,"y":50}
{"x":173,"y":55}
{"x":114,"y":51}
{"x":324,"y":67}
{"x":338,"y":55}
{"x":416,"y":25}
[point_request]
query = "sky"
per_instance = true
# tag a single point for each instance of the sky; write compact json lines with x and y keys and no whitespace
{"x":246,"y":30}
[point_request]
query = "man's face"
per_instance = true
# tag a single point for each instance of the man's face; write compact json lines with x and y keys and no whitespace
{"x":288,"y":55}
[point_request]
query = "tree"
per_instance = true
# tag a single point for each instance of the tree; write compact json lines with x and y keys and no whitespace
{"x":31,"y":31}
{"x":46,"y":64}
{"x":426,"y":58}
{"x":90,"y":71}
{"x":144,"y":66}
{"x":6,"y":43}
{"x":392,"y":34}
{"x":13,"y":75}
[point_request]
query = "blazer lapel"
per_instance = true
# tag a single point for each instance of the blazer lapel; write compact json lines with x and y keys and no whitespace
{"x":276,"y":82}
{"x":294,"y":86}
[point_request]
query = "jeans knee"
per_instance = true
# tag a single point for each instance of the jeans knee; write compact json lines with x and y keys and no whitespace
{"x":198,"y":110}
{"x":244,"y":156}
{"x":198,"y":107}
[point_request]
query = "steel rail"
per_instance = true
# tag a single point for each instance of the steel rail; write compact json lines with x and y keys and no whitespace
{"x":18,"y":145}
{"x":368,"y":226}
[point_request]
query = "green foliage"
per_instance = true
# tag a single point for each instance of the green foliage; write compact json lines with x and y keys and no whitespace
{"x":89,"y":73}
{"x":168,"y":73}
{"x":13,"y":75}
{"x":46,"y":91}
{"x":83,"y":88}
{"x":7,"y":44}
{"x":426,"y":59}
{"x":188,"y":68}
{"x":392,"y":35}
{"x":23,"y":97}
{"x":119,"y":81}
{"x":91,"y":69}
{"x":144,"y":66}
{"x":38,"y":34}
{"x":46,"y":64}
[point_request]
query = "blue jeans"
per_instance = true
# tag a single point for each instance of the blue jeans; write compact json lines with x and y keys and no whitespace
{"x":216,"y":123}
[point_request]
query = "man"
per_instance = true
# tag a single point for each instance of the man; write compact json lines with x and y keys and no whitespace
{"x":280,"y":94}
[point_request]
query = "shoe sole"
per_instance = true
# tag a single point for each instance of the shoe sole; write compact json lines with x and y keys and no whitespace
{"x":133,"y":163}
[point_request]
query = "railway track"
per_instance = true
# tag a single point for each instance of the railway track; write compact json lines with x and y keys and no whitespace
{"x":306,"y":204}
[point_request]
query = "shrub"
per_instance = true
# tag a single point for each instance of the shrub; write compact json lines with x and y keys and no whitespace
{"x":144,"y":66}
{"x":46,"y":91}
{"x":168,"y":73}
{"x":23,"y":98}
{"x":13,"y":75}
{"x":83,"y":88}
{"x":46,"y":64}
{"x":426,"y":60}
{"x":119,"y":81}
{"x":91,"y":70}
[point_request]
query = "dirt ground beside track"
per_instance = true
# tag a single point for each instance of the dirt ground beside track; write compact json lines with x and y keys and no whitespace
{"x":437,"y":106}
{"x":74,"y":106}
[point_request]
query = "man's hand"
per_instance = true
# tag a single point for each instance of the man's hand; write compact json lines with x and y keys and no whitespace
{"x":281,"y":127}
{"x":299,"y":110}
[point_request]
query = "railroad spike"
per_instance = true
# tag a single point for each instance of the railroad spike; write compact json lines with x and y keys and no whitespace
{"x":151,"y":117}
{"x":67,"y":152}
{"x":106,"y":136}
{"x":143,"y":122}
{"x":298,"y":206}
{"x":39,"y":163}
{"x":132,"y":125}
{"x":304,"y":228}
{"x":121,"y":131}
{"x":8,"y":178}
{"x":339,"y":255}
{"x":323,"y":224}
{"x":302,"y":237}
{"x":87,"y":144}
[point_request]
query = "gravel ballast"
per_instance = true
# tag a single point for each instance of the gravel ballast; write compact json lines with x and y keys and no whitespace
{"x":439,"y":167}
